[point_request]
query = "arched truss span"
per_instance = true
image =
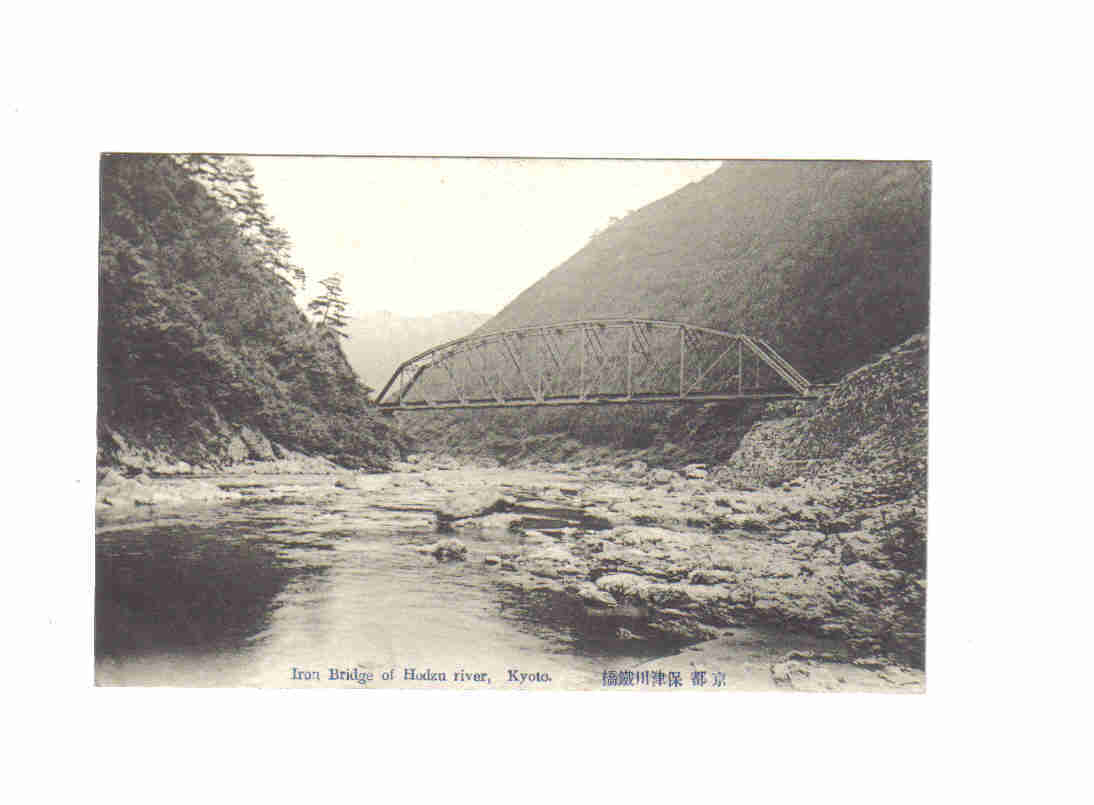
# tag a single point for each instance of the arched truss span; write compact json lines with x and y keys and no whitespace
{"x":597,"y":362}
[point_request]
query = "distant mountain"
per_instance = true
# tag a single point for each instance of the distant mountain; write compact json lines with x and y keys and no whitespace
{"x":827,"y":260}
{"x":380,"y":341}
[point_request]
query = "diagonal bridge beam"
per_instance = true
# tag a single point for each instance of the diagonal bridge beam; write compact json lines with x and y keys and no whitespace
{"x":608,"y":361}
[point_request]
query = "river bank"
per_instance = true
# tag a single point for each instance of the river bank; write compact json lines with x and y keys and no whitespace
{"x":804,"y":573}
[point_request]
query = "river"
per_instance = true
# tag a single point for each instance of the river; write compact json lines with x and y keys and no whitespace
{"x":317,"y":581}
{"x":303,"y":576}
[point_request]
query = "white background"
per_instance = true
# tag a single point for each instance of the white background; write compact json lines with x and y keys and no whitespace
{"x":994,"y":97}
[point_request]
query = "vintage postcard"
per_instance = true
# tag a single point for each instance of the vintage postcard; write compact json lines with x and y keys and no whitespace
{"x":512,"y":424}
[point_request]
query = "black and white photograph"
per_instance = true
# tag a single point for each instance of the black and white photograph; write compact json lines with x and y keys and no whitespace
{"x":399,"y":397}
{"x":512,"y":424}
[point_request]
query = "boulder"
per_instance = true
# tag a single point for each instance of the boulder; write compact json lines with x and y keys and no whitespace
{"x":591,"y":595}
{"x":505,"y":521}
{"x":445,"y":549}
{"x":704,"y":576}
{"x":611,"y":559}
{"x":110,"y":478}
{"x":553,"y":562}
{"x":638,"y":468}
{"x":680,"y":626}
{"x":476,"y":503}
{"x":661,"y":476}
{"x":623,"y":585}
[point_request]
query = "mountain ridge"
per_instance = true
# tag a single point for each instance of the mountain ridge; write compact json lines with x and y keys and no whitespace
{"x":826,"y":260}
{"x":380,"y":340}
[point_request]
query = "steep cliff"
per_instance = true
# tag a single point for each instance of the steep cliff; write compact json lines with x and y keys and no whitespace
{"x":204,"y":358}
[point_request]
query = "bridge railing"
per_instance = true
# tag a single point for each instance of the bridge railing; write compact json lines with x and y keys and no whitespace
{"x":590,"y":362}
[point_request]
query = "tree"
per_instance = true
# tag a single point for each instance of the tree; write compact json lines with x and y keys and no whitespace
{"x":231,"y":181}
{"x":330,"y":308}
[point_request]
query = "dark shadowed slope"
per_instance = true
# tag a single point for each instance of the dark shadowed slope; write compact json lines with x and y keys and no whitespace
{"x":204,"y":357}
{"x":826,"y":260}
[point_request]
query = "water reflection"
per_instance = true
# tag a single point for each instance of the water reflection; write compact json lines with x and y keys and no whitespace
{"x":178,"y":588}
{"x":242,"y":594}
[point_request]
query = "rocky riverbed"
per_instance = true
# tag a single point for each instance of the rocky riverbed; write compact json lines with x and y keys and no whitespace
{"x":682,"y":555}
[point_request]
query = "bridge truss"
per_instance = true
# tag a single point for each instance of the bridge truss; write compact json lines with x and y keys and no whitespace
{"x":605,"y":361}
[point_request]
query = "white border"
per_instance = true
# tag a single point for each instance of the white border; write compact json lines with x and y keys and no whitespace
{"x":688,"y":83}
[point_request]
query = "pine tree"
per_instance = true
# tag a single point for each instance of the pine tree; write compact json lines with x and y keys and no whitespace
{"x":330,"y":308}
{"x":231,"y":181}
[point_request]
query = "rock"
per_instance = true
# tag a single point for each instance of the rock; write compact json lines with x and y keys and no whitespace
{"x":637,"y":468}
{"x":534,"y":537}
{"x":661,"y":476}
{"x":346,"y":482}
{"x":487,"y":500}
{"x":491,"y":560}
{"x":141,"y":490}
{"x":237,"y":449}
{"x":623,"y":585}
{"x":681,"y":626}
{"x":698,"y":471}
{"x":111,"y":478}
{"x":895,"y":675}
{"x":649,"y":538}
{"x":592,"y":595}
{"x":711,"y":576}
{"x":445,"y":549}
{"x":501,"y":521}
{"x":553,"y":562}
{"x":803,"y":676}
{"x":616,"y":559}
{"x":258,"y":446}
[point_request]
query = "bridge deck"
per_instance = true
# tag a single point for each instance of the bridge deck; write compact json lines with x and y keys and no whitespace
{"x":602,"y":399}
{"x":591,"y":363}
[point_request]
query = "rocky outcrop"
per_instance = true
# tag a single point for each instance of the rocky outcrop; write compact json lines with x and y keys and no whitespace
{"x":220,"y":448}
{"x":476,"y":503}
{"x":834,"y":546}
{"x":838,"y":560}
{"x":115,"y":490}
{"x":445,"y":549}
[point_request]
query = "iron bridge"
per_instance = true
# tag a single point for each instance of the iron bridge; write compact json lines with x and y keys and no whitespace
{"x":598,"y":362}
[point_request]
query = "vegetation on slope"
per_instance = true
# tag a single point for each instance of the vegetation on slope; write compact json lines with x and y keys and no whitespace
{"x":827,"y":261}
{"x":198,"y":337}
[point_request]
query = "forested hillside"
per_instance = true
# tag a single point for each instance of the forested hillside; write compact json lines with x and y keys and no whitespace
{"x":378,"y":342}
{"x":204,"y":357}
{"x":827,"y":261}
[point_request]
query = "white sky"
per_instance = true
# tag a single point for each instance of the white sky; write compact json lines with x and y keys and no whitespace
{"x":417,"y":236}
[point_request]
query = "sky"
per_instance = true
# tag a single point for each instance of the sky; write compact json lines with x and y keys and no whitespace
{"x":418,"y":236}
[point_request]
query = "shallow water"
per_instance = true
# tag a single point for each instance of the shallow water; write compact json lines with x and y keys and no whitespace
{"x":264,"y":592}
